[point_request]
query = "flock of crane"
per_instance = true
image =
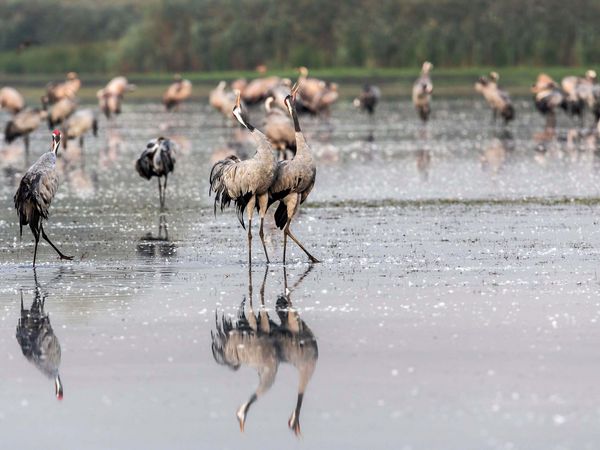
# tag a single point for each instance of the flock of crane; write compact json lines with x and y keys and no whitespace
{"x":281,"y":171}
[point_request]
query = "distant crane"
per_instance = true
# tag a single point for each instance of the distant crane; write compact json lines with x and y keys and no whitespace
{"x":548,"y":97}
{"x":111,"y":96}
{"x":35,"y":193}
{"x":37,"y":340}
{"x":246,"y":182}
{"x":421,"y":92}
{"x":294,"y":181}
{"x":498,"y":99}
{"x":278,"y":129}
{"x":78,"y":124}
{"x":56,"y":91}
{"x":60,"y":111}
{"x":179,"y":91}
{"x":223,"y":100}
{"x":157,"y":160}
{"x":11,"y":100}
{"x":368,"y":98}
{"x":23,"y":124}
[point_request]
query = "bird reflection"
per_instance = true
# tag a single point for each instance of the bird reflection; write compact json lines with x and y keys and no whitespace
{"x":256,"y":341}
{"x":423,"y":154}
{"x":38,"y":342}
{"x":159,"y":245}
{"x":496,"y":152}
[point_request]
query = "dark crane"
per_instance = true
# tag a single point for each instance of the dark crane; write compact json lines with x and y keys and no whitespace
{"x":35,"y":193}
{"x":157,"y":160}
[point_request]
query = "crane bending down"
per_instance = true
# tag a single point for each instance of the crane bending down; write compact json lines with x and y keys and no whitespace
{"x":294,"y":180}
{"x":246,"y":182}
{"x":35,"y":193}
{"x":157,"y":160}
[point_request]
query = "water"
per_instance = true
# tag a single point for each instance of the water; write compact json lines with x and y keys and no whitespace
{"x":456,"y":306}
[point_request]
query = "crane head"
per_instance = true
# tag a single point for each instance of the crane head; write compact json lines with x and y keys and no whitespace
{"x":55,"y":141}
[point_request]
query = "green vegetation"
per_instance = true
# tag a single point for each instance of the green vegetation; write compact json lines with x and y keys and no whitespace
{"x":216,"y":35}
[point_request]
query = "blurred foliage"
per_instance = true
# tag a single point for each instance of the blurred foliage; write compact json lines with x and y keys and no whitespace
{"x":202,"y":35}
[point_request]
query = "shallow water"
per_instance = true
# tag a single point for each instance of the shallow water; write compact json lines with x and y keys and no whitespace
{"x":456,"y":305}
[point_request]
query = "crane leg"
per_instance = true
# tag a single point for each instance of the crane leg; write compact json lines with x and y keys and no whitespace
{"x":263,"y":201}
{"x":160,"y":195}
{"x":36,"y":235}
{"x":250,"y":212}
{"x":165,"y":192}
{"x":288,"y":232}
{"x":62,"y":256}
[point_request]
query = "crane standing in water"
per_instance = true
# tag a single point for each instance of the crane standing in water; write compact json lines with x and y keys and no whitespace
{"x":35,"y":193}
{"x":294,"y":180}
{"x":421,"y":93}
{"x":246,"y":182}
{"x":157,"y":160}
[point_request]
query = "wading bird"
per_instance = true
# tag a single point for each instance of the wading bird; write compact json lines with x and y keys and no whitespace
{"x":246,"y":182}
{"x":23,"y":124}
{"x":368,"y":98}
{"x":547,"y":97}
{"x":315,"y":96}
{"x":37,"y":340}
{"x":421,"y":92}
{"x":11,"y":100}
{"x":294,"y":180}
{"x":256,"y":341}
{"x":498,"y":99}
{"x":278,"y":129}
{"x":223,"y":100}
{"x":177,"y":92}
{"x":35,"y":193}
{"x":56,"y":91}
{"x":157,"y":160}
{"x":60,"y":111}
{"x":78,"y":124}
{"x":111,"y":96}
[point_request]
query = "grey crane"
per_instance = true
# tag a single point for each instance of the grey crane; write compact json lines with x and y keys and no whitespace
{"x":23,"y":124}
{"x":179,"y":91}
{"x":61,"y":111}
{"x":368,"y":98}
{"x":157,"y":160}
{"x":498,"y":99}
{"x":294,"y":181}
{"x":11,"y":100}
{"x":35,"y":193}
{"x":547,"y":97}
{"x":78,"y":124}
{"x":254,"y":340}
{"x":37,"y":340}
{"x":421,"y":92}
{"x":246,"y":182}
{"x":56,"y":91}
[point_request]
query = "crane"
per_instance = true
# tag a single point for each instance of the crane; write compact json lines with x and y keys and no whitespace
{"x":498,"y":99}
{"x":246,"y":182}
{"x":294,"y":180}
{"x":23,"y":124}
{"x":78,"y":124}
{"x":177,"y":92}
{"x":421,"y":92}
{"x":157,"y":160}
{"x":368,"y":98}
{"x":35,"y":193}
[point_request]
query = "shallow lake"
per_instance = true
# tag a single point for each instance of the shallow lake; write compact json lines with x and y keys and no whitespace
{"x":457,"y":305}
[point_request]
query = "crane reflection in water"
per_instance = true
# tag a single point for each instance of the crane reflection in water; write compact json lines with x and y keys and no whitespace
{"x":254,"y":340}
{"x":37,"y":340}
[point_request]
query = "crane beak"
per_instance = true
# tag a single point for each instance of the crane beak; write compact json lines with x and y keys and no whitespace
{"x":238,"y":99}
{"x":58,"y":388}
{"x":295,"y":89}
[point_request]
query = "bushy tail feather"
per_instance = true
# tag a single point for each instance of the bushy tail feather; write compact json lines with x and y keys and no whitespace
{"x":217,"y":185}
{"x":143,"y":167}
{"x":508,"y":113}
{"x":95,"y":127}
{"x":9,"y":134}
